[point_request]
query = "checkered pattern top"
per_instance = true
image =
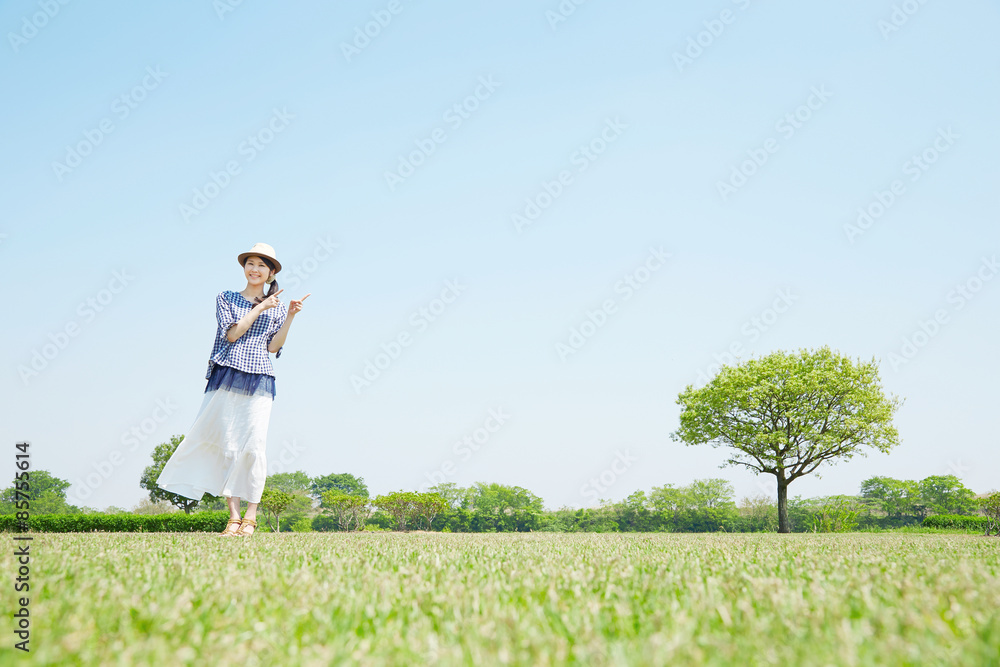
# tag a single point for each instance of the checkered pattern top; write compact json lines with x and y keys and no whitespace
{"x":249,"y":352}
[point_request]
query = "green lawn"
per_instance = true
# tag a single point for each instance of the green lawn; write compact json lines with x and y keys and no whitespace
{"x":528,"y":599}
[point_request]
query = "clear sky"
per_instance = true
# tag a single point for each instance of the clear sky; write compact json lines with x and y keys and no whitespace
{"x":480,"y":180}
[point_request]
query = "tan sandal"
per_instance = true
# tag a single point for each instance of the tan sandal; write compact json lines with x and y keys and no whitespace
{"x":229,"y":528}
{"x":243,"y":525}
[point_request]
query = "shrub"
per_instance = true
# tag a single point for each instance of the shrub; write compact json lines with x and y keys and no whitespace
{"x":322,"y":523}
{"x":962,"y":521}
{"x":174,"y":522}
{"x":837,"y":515}
{"x":303,"y":525}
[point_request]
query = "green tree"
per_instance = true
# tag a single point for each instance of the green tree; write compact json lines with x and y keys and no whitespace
{"x":501,"y":508}
{"x":990,"y":506}
{"x":299,"y":485}
{"x":344,"y":482}
{"x":667,"y":503}
{"x":836,"y":514}
{"x":301,"y":507}
{"x":635,"y":515}
{"x":602,"y":519}
{"x":897,"y":497}
{"x":146,"y":506}
{"x":46,"y":494}
{"x":274,"y":502}
{"x":705,"y":505}
{"x":290,"y":482}
{"x":709,"y":493}
{"x":303,"y":525}
{"x":786,"y":414}
{"x":667,"y":498}
{"x":759,"y":514}
{"x":946,"y":494}
{"x":400,"y":505}
{"x":562,"y":520}
{"x":350,"y":511}
{"x":428,"y":506}
{"x":454,"y":495}
{"x":161,"y":454}
{"x":709,"y":506}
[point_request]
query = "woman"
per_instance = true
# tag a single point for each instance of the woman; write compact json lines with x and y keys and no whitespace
{"x":223,"y":454}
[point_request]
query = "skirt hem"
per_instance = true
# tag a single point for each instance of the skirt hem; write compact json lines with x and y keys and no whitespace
{"x":224,"y":452}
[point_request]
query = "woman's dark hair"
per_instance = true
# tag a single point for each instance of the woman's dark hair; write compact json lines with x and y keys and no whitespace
{"x":274,"y":283}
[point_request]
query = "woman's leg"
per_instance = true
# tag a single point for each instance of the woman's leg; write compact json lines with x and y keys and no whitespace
{"x":234,"y":508}
{"x":251,"y":515}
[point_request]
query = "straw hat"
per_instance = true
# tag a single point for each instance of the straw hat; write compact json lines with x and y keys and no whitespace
{"x":261,"y":250}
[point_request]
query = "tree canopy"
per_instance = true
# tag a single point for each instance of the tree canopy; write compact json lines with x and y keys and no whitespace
{"x":46,"y":491}
{"x":937,"y":494}
{"x":897,"y":497}
{"x":274,"y":502}
{"x":290,"y":482}
{"x":343,"y":482}
{"x":786,"y":414}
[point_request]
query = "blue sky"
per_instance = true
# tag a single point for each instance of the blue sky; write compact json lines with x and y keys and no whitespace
{"x":147,"y":146}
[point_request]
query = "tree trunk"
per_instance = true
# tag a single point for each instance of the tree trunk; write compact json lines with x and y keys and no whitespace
{"x":783,"y":505}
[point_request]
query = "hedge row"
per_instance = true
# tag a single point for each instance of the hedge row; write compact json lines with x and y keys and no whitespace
{"x":956,"y":521}
{"x":214,"y":522}
{"x":208,"y":522}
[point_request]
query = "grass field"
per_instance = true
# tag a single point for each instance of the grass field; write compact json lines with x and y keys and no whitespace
{"x":528,"y":599}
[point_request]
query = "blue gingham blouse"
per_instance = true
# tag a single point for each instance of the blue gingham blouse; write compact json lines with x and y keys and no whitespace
{"x":249,"y":352}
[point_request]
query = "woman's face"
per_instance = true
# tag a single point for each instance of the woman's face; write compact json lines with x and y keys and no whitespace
{"x":256,"y":271}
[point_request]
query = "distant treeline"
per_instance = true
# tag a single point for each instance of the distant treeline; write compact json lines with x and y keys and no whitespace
{"x":340,"y":502}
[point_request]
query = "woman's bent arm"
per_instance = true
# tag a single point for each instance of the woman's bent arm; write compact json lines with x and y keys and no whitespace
{"x":241,"y":327}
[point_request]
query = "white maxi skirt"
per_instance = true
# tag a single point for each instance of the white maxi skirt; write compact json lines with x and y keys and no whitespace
{"x":223,"y":452}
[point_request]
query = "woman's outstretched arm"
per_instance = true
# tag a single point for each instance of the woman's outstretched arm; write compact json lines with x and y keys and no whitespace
{"x":294,"y":306}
